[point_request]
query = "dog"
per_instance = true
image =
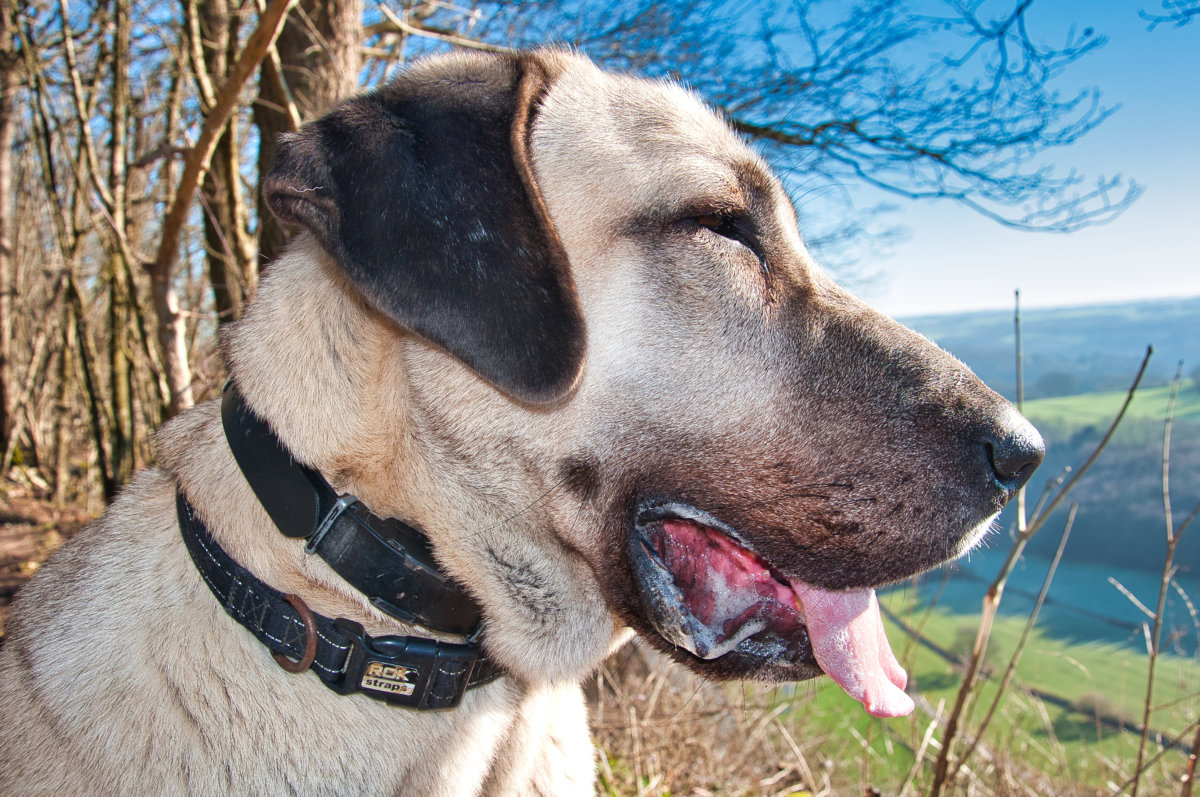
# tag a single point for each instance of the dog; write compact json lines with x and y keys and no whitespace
{"x":550,"y":355}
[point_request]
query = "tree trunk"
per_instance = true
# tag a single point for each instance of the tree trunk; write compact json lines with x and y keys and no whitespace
{"x":120,"y":312}
{"x":62,"y":413}
{"x":77,"y":319}
{"x":9,"y":64}
{"x":320,"y":51}
{"x":229,"y":254}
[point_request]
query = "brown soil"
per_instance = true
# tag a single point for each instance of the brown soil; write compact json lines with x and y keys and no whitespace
{"x":30,"y":530}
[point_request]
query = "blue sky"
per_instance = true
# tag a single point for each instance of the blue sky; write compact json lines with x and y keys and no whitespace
{"x":954,"y":260}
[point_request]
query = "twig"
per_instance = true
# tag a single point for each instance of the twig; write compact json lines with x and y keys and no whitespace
{"x":801,"y":762}
{"x":444,"y":36}
{"x":919,"y":759}
{"x":1189,"y":774}
{"x":1020,"y":371}
{"x":1044,"y":515}
{"x":1016,"y":654}
{"x":1166,"y":748}
{"x":1141,"y":607}
{"x":1191,"y":607}
{"x":1164,"y":584}
{"x":991,"y":601}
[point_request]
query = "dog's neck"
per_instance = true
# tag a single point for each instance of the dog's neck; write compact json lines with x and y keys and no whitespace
{"x":314,"y":359}
{"x":386,"y":559}
{"x":310,"y":356}
{"x":392,"y":420}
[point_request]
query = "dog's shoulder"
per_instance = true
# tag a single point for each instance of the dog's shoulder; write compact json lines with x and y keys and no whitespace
{"x":83,"y":580}
{"x":73,"y":633}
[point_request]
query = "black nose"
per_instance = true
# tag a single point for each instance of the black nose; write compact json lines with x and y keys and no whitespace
{"x":1015,"y":452}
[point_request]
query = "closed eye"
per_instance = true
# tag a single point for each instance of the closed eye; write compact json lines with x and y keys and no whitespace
{"x":739,"y":229}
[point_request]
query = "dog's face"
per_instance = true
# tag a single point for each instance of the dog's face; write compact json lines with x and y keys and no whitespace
{"x":609,"y":293}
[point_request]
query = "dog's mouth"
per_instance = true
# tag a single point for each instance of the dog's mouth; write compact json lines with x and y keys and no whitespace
{"x":706,"y":591}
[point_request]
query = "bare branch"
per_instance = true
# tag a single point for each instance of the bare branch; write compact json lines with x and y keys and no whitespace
{"x":274,"y":72}
{"x":269,"y":25}
{"x":1175,"y":12}
{"x":398,"y":25}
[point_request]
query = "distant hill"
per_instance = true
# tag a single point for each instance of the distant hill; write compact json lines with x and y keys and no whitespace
{"x":1072,"y":350}
{"x":1079,"y":361}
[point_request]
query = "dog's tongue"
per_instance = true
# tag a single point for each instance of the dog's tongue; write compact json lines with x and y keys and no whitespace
{"x":849,"y":643}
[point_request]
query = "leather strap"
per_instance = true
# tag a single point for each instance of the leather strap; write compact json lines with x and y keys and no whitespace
{"x":386,"y":559}
{"x":413,"y":672}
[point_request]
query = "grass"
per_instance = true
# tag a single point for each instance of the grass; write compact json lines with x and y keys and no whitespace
{"x":1058,"y":717}
{"x":664,"y":731}
{"x":1088,"y":409}
{"x":1067,"y":697}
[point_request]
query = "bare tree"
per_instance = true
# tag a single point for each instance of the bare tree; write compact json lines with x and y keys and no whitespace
{"x":9,"y":66}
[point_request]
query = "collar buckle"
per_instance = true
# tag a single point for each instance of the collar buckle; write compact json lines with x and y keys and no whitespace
{"x":339,"y":508}
{"x":407,"y":671}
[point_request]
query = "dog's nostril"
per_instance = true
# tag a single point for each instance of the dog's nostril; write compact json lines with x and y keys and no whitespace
{"x":1015,"y":454}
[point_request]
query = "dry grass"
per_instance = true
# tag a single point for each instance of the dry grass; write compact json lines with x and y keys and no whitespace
{"x":662,"y":730}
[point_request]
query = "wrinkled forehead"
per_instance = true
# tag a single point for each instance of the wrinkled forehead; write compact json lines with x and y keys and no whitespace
{"x":625,"y":145}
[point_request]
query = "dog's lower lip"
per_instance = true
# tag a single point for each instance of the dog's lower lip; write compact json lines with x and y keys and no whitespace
{"x":708,"y":594}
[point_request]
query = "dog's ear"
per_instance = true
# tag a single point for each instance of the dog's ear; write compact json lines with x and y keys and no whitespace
{"x":424,"y":193}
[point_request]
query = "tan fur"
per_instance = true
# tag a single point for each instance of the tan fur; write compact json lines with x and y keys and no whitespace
{"x":121,"y":673}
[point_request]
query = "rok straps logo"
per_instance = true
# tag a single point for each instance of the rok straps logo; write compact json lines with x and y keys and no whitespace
{"x":390,"y":678}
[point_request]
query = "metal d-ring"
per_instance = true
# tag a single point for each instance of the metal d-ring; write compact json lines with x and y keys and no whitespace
{"x":310,"y":637}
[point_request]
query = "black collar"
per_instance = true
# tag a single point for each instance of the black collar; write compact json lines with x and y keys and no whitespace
{"x":387,"y":560}
{"x":408,"y":671}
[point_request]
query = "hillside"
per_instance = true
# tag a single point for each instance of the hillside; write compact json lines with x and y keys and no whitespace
{"x":1072,"y":350}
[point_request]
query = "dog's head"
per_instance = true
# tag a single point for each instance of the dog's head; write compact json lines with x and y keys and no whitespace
{"x":620,"y":355}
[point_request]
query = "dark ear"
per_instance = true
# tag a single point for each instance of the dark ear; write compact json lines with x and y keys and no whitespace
{"x":424,"y":193}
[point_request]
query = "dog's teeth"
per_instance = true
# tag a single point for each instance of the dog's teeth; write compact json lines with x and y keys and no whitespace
{"x":798,"y":606}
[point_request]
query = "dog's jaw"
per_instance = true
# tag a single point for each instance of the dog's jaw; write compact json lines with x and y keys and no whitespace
{"x":710,"y":595}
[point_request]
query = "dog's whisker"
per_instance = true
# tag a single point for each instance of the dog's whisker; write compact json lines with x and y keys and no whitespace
{"x":528,"y":507}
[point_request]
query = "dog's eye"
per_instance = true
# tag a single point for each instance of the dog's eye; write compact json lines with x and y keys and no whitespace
{"x":738,"y":229}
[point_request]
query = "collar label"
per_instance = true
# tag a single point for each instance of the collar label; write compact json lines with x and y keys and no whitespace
{"x":390,"y":678}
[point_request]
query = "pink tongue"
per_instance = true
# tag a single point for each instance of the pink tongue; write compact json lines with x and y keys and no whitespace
{"x":848,"y":642}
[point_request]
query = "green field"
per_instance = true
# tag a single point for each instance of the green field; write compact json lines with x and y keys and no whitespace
{"x":1076,"y":748}
{"x":1149,"y":404}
